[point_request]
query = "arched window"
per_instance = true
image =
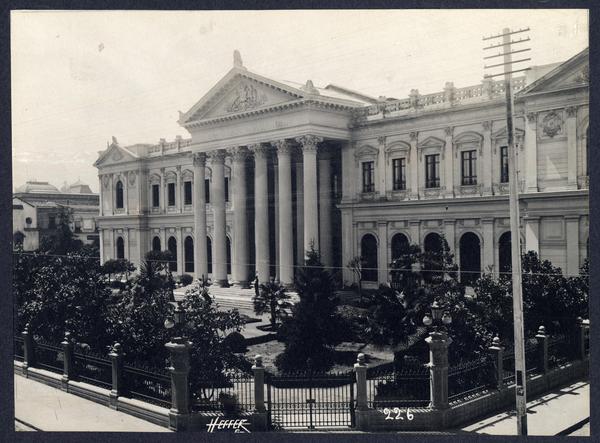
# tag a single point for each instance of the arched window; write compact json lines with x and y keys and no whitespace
{"x":188,"y":252}
{"x":172,"y":247}
{"x":209,"y":254}
{"x":120,"y":248}
{"x":470,"y":258}
{"x":368,"y":253}
{"x":228,"y":252}
{"x":504,"y":253}
{"x":399,"y":245}
{"x":119,"y":195}
{"x":433,"y":246}
{"x":156,"y":244}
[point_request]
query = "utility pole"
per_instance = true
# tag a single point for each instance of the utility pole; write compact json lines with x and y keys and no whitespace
{"x":520,"y":373}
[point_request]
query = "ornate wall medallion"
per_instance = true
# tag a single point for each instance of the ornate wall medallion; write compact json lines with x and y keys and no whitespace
{"x":552,"y":124}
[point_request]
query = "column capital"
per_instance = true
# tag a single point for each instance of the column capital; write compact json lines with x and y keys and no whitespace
{"x":309,"y":142}
{"x":413,"y":135}
{"x":283,"y":146}
{"x":571,"y":111}
{"x":238,"y":153}
{"x":199,"y":159}
{"x":259,"y":150}
{"x":487,"y":125}
{"x":448,"y":130}
{"x":217,"y":156}
{"x":531,"y":117}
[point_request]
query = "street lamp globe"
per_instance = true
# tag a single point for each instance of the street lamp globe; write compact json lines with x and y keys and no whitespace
{"x":446,"y":318}
{"x":436,"y":310}
{"x":427,"y":320}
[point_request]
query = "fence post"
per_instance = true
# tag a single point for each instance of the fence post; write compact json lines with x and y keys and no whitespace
{"x":497,"y":352}
{"x":68,"y":369}
{"x":580,"y":339}
{"x":360,"y":368}
{"x":179,"y":349}
{"x":542,"y":346}
{"x":438,"y":369}
{"x":28,"y":349}
{"x":259,"y":416}
{"x":116,"y":358}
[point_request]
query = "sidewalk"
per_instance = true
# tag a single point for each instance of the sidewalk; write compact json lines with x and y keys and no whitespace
{"x":548,"y":415}
{"x":46,"y":408}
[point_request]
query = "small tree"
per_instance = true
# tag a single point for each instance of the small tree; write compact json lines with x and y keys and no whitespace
{"x":62,"y":240}
{"x":355,"y":265}
{"x":314,"y":327}
{"x":273,"y":299}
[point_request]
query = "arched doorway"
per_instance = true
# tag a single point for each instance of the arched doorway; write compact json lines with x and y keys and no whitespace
{"x":120,"y":248}
{"x":433,"y":246}
{"x":119,"y":195}
{"x":399,"y":245}
{"x":172,"y":247}
{"x":209,"y":255}
{"x":188,"y":252}
{"x":228,"y":254}
{"x":504,"y":253}
{"x":156,"y":244}
{"x":368,"y":253}
{"x":470,"y":258}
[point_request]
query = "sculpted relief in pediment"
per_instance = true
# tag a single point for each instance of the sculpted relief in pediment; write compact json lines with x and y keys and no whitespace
{"x":246,"y":97}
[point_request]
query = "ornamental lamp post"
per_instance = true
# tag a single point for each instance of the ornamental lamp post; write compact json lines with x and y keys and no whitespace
{"x":178,"y":317}
{"x":438,"y":317}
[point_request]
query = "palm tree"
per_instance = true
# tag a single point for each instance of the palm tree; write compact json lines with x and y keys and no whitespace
{"x":273,"y":299}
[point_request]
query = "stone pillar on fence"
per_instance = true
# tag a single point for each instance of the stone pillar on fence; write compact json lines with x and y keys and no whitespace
{"x":68,"y":368}
{"x":497,"y":354}
{"x":542,"y":349}
{"x":179,"y":414}
{"x":28,"y":349}
{"x":259,"y":415}
{"x":116,"y":358}
{"x":364,"y":416}
{"x":580,"y":339}
{"x":438,"y":369}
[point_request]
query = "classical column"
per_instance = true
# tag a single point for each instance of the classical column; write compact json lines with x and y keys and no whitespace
{"x":486,"y":158}
{"x":571,"y":126}
{"x":299,"y":214}
{"x":261,"y":210}
{"x":311,"y":222}
{"x":239,"y":254}
{"x":276,"y":214}
{"x":219,"y":245}
{"x":347,"y":245}
{"x":325,"y":234}
{"x":413,"y":168}
{"x":348,"y":172}
{"x":448,"y":157}
{"x":100,"y":197}
{"x":572,"y":223}
{"x":532,"y":234}
{"x":286,"y":233}
{"x":199,"y":198}
{"x":488,"y":243}
{"x":531,"y":152}
{"x":382,"y":253}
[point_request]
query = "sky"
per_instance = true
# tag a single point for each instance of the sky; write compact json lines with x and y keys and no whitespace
{"x":79,"y":78}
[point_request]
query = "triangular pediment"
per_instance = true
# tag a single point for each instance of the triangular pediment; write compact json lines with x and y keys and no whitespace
{"x":115,"y":154}
{"x":431,"y":141}
{"x":574,"y":72}
{"x":240,"y":91}
{"x":502,"y":133}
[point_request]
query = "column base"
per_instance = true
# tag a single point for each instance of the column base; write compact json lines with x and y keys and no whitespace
{"x":221,"y":283}
{"x":242,"y":284}
{"x":178,"y":421}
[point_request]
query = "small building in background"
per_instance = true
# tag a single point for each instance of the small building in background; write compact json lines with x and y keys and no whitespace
{"x":36,"y":212}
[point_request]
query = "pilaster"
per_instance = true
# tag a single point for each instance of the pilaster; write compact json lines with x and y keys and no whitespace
{"x":448,"y":160}
{"x":571,"y":125}
{"x":413,"y":166}
{"x":531,"y":152}
{"x":486,"y":158}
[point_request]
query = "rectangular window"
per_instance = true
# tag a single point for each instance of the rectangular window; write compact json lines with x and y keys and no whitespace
{"x":469,"y":167}
{"x":171,"y":194}
{"x":368,"y":176}
{"x":399,"y":173}
{"x":504,"y":164}
{"x":432,"y":171}
{"x":207,"y":190}
{"x":226,"y":189}
{"x":187,"y":193}
{"x":155,"y":196}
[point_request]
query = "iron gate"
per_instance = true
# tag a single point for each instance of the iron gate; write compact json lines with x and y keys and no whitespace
{"x":311,"y":400}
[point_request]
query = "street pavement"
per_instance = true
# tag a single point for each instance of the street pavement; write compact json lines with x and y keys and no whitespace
{"x":38,"y":406}
{"x":550,"y":414}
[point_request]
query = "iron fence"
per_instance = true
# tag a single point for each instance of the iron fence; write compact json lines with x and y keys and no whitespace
{"x":231,"y":392}
{"x":311,"y":400}
{"x":470,"y":378}
{"x":93,"y":368}
{"x":49,"y":356}
{"x":532,"y":357}
{"x":19,"y":348}
{"x":148,"y":384}
{"x":402,"y":387}
{"x":561,"y":350}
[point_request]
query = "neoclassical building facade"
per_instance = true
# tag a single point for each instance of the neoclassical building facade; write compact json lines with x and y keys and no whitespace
{"x":273,"y":168}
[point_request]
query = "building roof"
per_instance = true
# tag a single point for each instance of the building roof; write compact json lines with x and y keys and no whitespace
{"x":37,"y":187}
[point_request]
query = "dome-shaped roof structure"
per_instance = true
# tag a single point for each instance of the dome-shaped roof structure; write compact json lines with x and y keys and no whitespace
{"x":37,"y":187}
{"x":79,"y":188}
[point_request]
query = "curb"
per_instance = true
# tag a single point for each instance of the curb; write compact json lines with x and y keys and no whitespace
{"x":574,"y":427}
